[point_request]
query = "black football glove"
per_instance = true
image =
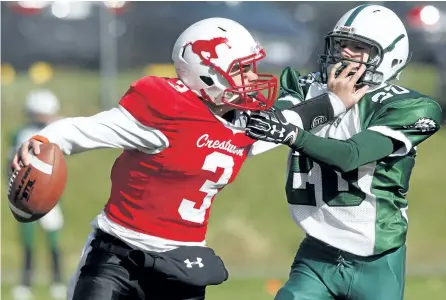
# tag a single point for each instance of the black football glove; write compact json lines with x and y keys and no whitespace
{"x":271,"y":126}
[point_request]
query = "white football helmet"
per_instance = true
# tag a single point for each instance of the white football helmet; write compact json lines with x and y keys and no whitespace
{"x":378,"y":27}
{"x":42,"y":102}
{"x":206,"y":53}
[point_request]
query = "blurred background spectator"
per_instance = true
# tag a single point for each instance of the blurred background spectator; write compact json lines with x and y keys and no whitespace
{"x":41,"y":108}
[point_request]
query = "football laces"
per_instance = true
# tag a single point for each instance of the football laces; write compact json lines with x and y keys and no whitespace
{"x":12,"y":178}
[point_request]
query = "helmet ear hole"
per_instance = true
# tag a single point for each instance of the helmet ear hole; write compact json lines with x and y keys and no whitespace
{"x":207,"y":80}
{"x":395,"y":62}
{"x":182,"y":52}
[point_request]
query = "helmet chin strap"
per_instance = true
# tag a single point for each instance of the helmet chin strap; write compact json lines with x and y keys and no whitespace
{"x":216,"y":109}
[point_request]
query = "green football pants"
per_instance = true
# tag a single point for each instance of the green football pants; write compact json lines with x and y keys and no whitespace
{"x":322,"y":272}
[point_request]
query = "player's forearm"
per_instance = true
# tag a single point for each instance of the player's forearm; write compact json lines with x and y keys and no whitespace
{"x":307,"y":115}
{"x":72,"y":136}
{"x":314,"y":111}
{"x":363,"y":148}
{"x":109,"y":129}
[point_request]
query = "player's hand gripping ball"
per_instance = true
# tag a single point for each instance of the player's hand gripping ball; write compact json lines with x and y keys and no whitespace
{"x":36,"y":189}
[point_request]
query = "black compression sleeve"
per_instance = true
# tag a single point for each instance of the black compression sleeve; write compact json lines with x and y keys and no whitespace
{"x":314,"y":111}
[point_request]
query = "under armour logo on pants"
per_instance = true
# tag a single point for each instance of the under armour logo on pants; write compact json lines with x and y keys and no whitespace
{"x":189,"y":263}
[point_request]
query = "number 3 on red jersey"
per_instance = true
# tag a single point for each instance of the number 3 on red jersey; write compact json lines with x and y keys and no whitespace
{"x":211,"y":163}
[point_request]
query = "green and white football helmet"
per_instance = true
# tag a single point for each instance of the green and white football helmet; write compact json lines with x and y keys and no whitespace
{"x":382,"y":30}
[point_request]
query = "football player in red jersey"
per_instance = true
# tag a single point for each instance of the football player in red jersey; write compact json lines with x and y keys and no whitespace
{"x":183,"y":141}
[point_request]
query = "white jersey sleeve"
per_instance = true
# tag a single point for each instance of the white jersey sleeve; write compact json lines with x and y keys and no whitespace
{"x":115,"y":128}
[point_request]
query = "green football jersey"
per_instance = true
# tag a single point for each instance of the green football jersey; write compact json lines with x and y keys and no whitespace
{"x":362,"y":211}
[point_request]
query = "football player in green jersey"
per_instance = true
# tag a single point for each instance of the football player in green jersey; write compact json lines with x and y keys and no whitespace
{"x":348,"y":179}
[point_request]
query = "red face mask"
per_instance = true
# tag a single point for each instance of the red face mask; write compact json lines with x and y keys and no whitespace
{"x":252,"y":95}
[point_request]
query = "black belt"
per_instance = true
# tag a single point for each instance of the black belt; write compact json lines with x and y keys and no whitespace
{"x":109,"y":243}
{"x":173,"y":264}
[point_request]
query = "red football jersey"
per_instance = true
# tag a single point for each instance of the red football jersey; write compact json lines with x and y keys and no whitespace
{"x":169,"y":194}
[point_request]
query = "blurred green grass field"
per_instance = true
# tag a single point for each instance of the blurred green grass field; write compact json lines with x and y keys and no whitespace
{"x":250,"y":226}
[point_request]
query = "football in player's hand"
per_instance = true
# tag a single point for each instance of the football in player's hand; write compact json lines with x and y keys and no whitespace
{"x":36,"y":189}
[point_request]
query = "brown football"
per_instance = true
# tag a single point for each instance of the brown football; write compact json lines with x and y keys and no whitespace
{"x":36,"y":189}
